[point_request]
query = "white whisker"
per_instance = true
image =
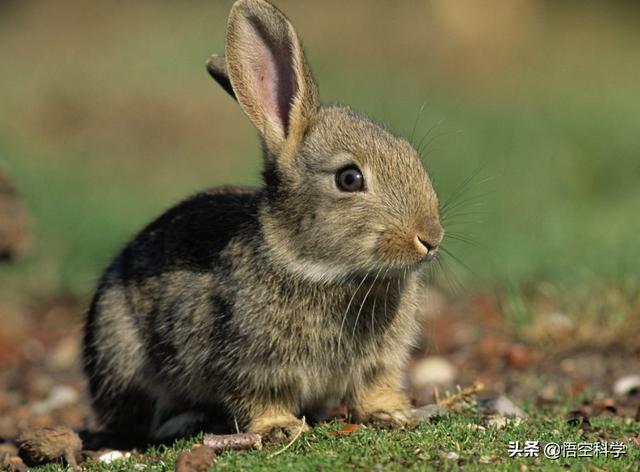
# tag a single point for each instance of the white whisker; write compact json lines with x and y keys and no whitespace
{"x":344,"y":317}
{"x":355,"y":324}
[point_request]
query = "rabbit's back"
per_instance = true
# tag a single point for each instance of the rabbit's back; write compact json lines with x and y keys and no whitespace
{"x":159,"y":312}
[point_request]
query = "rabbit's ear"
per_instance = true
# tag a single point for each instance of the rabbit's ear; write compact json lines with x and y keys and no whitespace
{"x":269,"y":74}
{"x":217,"y":68}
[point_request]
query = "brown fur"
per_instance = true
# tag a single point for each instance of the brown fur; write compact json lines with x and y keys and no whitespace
{"x":263,"y":305}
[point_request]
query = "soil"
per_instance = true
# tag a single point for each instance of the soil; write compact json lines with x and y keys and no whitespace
{"x":41,"y":382}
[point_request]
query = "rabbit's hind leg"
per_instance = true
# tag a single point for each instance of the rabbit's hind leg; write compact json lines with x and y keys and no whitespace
{"x":127,"y":413}
{"x":184,"y":424}
{"x":171,"y":421}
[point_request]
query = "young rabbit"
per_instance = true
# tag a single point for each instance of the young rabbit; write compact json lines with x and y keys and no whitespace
{"x":258,"y":306}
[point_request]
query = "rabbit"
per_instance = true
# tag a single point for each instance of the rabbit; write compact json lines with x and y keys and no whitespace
{"x":249,"y":308}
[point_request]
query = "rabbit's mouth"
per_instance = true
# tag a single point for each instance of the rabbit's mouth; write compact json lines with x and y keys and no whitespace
{"x":398,"y":249}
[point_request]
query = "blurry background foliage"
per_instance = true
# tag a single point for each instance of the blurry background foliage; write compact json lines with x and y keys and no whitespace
{"x":107,"y":117}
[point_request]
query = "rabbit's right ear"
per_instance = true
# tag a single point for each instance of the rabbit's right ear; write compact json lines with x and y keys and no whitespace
{"x":269,"y":74}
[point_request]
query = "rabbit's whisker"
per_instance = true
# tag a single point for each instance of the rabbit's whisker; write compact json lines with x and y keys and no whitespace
{"x":462,"y":189}
{"x":424,"y":149}
{"x":451,"y":280}
{"x":417,"y":120}
{"x":457,"y":259}
{"x":344,"y":317}
{"x":426,"y":135}
{"x":364,"y":300}
{"x":464,"y":239}
{"x":386,"y":295}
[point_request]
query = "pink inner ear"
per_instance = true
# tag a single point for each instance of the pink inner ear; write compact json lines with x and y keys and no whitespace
{"x":274,"y":75}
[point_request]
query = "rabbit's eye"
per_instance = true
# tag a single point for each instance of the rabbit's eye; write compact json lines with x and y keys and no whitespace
{"x":350,"y":179}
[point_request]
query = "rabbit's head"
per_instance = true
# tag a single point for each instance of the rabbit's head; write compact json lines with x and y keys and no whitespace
{"x":343,"y":195}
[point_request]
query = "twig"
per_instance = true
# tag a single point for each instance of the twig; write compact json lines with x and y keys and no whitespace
{"x":294,"y":439}
{"x":462,"y":395}
{"x":236,"y":442}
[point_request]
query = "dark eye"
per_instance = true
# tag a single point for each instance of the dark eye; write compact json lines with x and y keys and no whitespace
{"x":350,"y":179}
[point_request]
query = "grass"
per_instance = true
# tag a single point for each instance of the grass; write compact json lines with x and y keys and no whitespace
{"x":451,"y":442}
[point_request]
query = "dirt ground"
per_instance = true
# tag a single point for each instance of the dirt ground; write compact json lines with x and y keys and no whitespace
{"x":546,"y":364}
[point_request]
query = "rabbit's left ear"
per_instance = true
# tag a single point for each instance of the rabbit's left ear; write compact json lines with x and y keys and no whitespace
{"x":217,"y":68}
{"x":269,"y":74}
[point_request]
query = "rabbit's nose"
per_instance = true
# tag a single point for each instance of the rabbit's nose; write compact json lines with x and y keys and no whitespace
{"x":424,"y":247}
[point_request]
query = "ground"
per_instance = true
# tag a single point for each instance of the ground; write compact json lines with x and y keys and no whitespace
{"x":551,"y":366}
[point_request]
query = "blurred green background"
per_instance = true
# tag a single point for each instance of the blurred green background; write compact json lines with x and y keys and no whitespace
{"x":107,"y":117}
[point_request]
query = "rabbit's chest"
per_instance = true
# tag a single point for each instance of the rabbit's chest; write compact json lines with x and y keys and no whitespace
{"x":327,"y":356}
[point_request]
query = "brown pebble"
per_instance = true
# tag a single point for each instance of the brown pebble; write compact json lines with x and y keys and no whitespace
{"x":199,"y":459}
{"x":8,"y":448}
{"x":49,"y":444}
{"x":11,"y":463}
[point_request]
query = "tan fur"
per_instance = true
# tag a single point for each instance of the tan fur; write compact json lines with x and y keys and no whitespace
{"x":261,"y":305}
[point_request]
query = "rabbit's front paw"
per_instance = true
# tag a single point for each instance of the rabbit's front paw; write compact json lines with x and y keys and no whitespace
{"x":383,"y":405}
{"x":390,"y":418}
{"x":278,"y":428}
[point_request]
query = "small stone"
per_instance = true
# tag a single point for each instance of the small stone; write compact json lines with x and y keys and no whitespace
{"x":452,"y":456}
{"x":432,"y":371}
{"x":557,"y":325}
{"x":65,"y":355}
{"x":628,"y":385}
{"x":8,"y":449}
{"x":199,"y":459}
{"x":49,"y":444}
{"x":427,"y":412}
{"x":476,"y":427}
{"x":499,"y":421}
{"x":11,"y":463}
{"x":111,"y":456}
{"x":518,"y":356}
{"x":504,"y":406}
{"x":60,"y":395}
{"x":487,"y":459}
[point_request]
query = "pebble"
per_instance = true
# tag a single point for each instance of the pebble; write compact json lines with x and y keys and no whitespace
{"x":431,"y":371}
{"x":506,"y":407}
{"x":502,"y":406}
{"x":12,"y":463}
{"x":427,"y":412}
{"x":497,"y":421}
{"x":111,"y":456}
{"x":65,"y":355}
{"x":200,"y":459}
{"x":47,"y":444}
{"x":557,"y":325}
{"x":627,"y":385}
{"x":60,"y":395}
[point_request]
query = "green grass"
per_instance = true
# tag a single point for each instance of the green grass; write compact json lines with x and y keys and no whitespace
{"x":451,"y":442}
